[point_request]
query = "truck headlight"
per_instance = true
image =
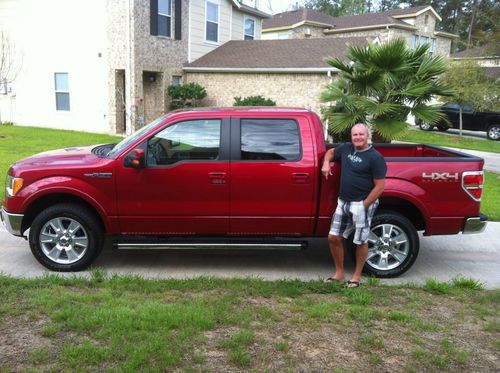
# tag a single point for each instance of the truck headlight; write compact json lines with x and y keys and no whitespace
{"x":13,"y":185}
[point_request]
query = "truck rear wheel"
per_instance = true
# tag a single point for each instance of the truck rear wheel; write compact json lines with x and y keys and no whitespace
{"x":425,"y":126}
{"x":393,"y":245}
{"x":66,"y":237}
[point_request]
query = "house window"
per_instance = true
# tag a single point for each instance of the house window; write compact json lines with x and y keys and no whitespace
{"x":61,"y":81}
{"x":414,"y":41}
{"x":249,"y":28}
{"x":423,"y":40}
{"x":212,"y":22}
{"x":433,"y":45}
{"x":176,"y":79}
{"x":165,"y":17}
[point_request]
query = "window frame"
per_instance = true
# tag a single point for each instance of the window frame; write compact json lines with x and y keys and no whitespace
{"x":169,"y":16}
{"x":176,"y":76}
{"x":245,"y":19}
{"x":61,"y":91}
{"x":236,"y":143}
{"x":216,"y":3}
{"x":223,"y":155}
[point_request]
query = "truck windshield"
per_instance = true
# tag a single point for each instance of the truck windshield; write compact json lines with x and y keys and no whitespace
{"x":129,"y":140}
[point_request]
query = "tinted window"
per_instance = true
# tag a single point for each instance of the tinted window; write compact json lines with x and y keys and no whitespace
{"x":270,"y":139}
{"x":185,"y":141}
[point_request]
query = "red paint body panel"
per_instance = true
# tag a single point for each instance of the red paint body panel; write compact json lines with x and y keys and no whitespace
{"x":249,"y":198}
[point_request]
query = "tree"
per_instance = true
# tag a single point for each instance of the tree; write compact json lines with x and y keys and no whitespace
{"x":253,"y":101}
{"x":186,"y":95}
{"x":10,"y":64}
{"x":381,"y":85}
{"x":471,"y":85}
{"x":337,"y":8}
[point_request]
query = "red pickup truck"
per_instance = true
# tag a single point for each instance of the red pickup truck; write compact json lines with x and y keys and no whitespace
{"x":232,"y":178}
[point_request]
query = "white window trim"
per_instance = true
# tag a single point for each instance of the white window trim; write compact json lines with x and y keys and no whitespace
{"x":180,"y":80}
{"x":56,"y":91}
{"x":215,"y":2}
{"x":166,"y":15}
{"x":254,"y":26}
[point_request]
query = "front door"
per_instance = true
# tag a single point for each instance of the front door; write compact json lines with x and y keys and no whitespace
{"x":184,"y":188}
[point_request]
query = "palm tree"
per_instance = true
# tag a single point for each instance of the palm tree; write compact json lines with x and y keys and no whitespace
{"x":382,"y":84}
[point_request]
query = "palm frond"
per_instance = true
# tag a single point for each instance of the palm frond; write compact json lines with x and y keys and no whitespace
{"x":339,"y":64}
{"x":389,"y":129}
{"x":339,"y":122}
{"x":428,"y":113}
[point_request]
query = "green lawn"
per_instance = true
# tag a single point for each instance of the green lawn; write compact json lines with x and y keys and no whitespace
{"x":132,"y":324}
{"x":452,"y":141}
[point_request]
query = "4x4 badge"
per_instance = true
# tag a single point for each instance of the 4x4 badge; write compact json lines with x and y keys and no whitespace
{"x":440,"y":176}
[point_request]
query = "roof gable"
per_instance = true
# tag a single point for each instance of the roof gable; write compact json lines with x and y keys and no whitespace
{"x":391,"y":17}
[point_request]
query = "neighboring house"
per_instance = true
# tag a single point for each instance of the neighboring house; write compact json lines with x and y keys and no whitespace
{"x":417,"y":25}
{"x":294,"y":74}
{"x":104,"y":65}
{"x":485,"y":56}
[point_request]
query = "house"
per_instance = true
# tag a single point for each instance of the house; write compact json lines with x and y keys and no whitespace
{"x":486,"y":56}
{"x":104,"y":65}
{"x":295,"y":73}
{"x":417,"y":25}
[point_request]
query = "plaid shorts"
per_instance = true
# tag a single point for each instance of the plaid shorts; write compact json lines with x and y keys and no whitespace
{"x":352,"y":216}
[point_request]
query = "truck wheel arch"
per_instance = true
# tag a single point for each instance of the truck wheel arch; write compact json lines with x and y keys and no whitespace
{"x":47,"y":200}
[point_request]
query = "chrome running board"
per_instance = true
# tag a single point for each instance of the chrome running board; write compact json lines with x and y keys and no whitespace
{"x":208,"y":246}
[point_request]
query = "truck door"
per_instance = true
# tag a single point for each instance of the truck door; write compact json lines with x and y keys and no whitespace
{"x":272,"y":176}
{"x":184,"y":187}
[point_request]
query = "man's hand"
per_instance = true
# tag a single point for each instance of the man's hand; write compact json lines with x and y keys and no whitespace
{"x":326,"y":170}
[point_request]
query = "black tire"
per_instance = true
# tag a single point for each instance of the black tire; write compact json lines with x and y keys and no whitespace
{"x":493,"y":132}
{"x":73,"y":237}
{"x":425,"y":126}
{"x":442,"y":128}
{"x":407,"y":251}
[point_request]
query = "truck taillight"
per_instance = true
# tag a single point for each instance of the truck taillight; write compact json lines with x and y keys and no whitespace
{"x":472,"y":182}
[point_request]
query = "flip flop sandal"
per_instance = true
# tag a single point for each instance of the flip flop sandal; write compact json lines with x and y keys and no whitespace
{"x":353,"y":284}
{"x":331,"y":279}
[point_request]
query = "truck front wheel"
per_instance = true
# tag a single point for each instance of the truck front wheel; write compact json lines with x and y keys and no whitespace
{"x":392,"y":245}
{"x":66,"y":237}
{"x":493,"y":132}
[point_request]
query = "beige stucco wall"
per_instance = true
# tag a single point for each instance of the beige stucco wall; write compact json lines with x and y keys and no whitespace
{"x":294,"y":90}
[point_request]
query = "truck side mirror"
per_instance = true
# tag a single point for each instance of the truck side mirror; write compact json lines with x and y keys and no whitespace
{"x":135,"y":159}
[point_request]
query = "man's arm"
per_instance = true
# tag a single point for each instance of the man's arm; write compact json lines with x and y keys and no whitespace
{"x":375,"y":192}
{"x":326,"y":169}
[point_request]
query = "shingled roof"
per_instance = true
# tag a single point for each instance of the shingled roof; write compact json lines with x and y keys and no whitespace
{"x":299,"y":54}
{"x":390,"y":17}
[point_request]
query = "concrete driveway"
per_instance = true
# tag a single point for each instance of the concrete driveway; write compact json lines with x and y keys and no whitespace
{"x":441,"y":257}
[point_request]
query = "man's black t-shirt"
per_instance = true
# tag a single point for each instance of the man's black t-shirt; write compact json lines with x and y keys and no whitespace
{"x":359,"y":168}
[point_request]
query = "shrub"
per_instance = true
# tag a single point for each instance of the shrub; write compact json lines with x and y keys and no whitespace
{"x":186,"y":95}
{"x":253,"y":101}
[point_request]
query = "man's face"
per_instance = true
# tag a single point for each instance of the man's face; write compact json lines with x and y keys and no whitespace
{"x":359,"y":137}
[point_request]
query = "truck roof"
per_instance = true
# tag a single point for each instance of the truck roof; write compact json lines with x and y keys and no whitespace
{"x":246,"y":109}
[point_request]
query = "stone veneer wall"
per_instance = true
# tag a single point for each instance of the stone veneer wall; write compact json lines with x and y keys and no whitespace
{"x":148,"y":53}
{"x":292,"y":90}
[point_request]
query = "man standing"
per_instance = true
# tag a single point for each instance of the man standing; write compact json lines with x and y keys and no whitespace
{"x":361,"y":183}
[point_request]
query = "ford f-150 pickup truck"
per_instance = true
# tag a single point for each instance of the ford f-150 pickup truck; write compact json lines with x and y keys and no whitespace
{"x":231,"y":178}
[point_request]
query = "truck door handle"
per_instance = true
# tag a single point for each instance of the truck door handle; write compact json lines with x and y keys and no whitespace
{"x":300,"y":178}
{"x":217,"y":177}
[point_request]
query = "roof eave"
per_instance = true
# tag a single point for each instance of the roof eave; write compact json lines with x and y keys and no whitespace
{"x":372,"y":27}
{"x":446,"y":35}
{"x":295,"y":25}
{"x":419,"y":13}
{"x":257,"y":70}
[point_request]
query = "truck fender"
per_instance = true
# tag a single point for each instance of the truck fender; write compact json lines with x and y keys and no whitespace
{"x":68,"y":185}
{"x":408,"y":191}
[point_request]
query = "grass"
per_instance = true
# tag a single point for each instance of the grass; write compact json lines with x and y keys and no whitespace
{"x":128,"y":323}
{"x":436,"y":138}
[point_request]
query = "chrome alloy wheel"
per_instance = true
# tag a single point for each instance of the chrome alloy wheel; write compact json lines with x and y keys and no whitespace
{"x":388,"y":247}
{"x":63,"y":240}
{"x":494,"y":132}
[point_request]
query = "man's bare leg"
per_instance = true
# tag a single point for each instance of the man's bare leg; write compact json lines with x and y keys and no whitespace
{"x":337,"y":250}
{"x":361,"y":254}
